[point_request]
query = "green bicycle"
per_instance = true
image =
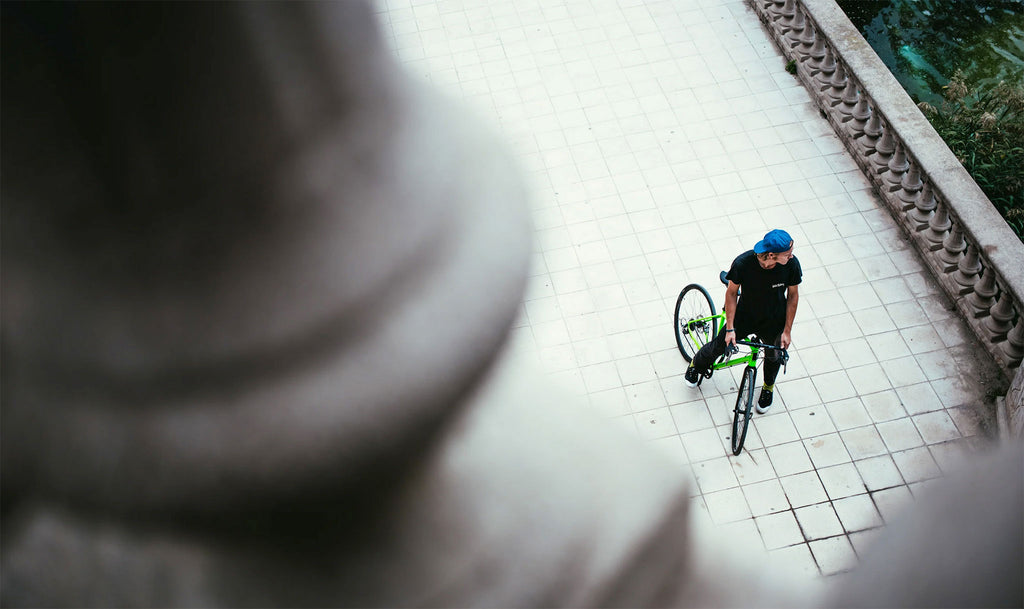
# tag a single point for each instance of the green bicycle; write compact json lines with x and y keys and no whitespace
{"x":696,"y":324}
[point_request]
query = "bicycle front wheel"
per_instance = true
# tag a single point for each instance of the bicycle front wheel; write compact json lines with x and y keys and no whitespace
{"x":695,"y":320}
{"x":744,"y":409}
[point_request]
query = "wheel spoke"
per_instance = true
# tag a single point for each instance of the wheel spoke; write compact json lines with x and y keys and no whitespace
{"x":693,"y":326}
{"x":742,"y":410}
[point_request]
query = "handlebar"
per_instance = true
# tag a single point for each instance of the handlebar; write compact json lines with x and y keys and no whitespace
{"x":750,"y":343}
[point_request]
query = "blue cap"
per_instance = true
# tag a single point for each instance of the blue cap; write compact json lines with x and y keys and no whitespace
{"x":776,"y":241}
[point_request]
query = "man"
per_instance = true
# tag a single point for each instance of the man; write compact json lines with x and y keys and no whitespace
{"x":769,"y":275}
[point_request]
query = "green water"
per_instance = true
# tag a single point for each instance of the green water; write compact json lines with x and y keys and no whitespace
{"x":924,"y":42}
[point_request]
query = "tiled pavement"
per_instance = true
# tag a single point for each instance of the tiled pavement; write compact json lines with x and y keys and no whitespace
{"x":662,"y":138}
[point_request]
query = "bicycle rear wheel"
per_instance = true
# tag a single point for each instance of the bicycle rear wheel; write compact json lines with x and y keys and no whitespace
{"x":744,"y":409}
{"x":694,"y":321}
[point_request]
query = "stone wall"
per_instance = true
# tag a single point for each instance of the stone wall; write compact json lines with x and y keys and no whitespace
{"x":964,"y":242}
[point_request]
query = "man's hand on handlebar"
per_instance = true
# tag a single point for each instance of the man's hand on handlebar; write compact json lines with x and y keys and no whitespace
{"x":730,"y":341}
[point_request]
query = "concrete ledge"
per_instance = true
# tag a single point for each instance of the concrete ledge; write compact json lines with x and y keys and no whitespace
{"x":1013,"y":408}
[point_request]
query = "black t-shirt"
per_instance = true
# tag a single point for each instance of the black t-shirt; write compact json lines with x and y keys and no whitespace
{"x":762,"y":302}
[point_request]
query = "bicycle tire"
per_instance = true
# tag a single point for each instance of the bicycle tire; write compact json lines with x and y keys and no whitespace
{"x":694,"y":302}
{"x":744,"y":409}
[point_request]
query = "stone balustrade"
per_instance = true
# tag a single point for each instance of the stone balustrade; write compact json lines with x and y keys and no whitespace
{"x":972,"y":252}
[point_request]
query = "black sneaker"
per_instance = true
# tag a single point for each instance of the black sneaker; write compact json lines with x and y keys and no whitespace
{"x":692,"y":377}
{"x":765,"y":401}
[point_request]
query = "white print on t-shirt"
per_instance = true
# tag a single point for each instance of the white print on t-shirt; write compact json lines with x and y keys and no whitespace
{"x":777,"y":285}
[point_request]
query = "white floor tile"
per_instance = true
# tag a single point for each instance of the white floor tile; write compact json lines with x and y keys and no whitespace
{"x":868,"y":379}
{"x":703,"y":444}
{"x":826,"y":450}
{"x":657,"y":423}
{"x":841,"y":481}
{"x":727,"y":506}
{"x":857,"y":513}
{"x":864,"y":541}
{"x":803,"y":489}
{"x":691,"y":416}
{"x":904,"y":371}
{"x":953,"y":392}
{"x":790,"y":458}
{"x":752,"y":465}
{"x":766,"y":497}
{"x":672,"y":448}
{"x":818,"y":521}
{"x":834,"y":386}
{"x":892,"y":503}
{"x":834,"y":555}
{"x":600,"y":377}
{"x":879,"y":473}
{"x":812,"y":421}
{"x":714,"y":475}
{"x":610,"y":402}
{"x":776,"y":428}
{"x":950,"y":456}
{"x":798,"y":393}
{"x":849,"y":413}
{"x":863,"y":442}
{"x":744,"y":534}
{"x":936,"y":427}
{"x":916,"y":464}
{"x":796,"y":557}
{"x":883,"y":406}
{"x":779,"y":530}
{"x":899,"y":434}
{"x":854,"y":352}
{"x":966,"y":419}
{"x":919,"y":398}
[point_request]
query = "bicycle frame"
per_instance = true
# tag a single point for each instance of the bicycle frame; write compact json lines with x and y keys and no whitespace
{"x":750,"y":359}
{"x":729,"y":360}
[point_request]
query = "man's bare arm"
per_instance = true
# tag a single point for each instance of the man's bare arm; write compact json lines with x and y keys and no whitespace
{"x":792,"y":299}
{"x":731,"y":295}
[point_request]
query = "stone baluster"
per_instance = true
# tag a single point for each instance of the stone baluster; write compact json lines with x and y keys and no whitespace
{"x":924,"y":207}
{"x":1013,"y":348}
{"x":884,"y":150}
{"x":984,"y":294}
{"x":848,"y":105}
{"x":910,"y":188}
{"x":796,"y":28}
{"x":775,"y":8}
{"x":898,"y":166}
{"x":870,"y":133}
{"x":792,"y":19}
{"x":1000,"y":321}
{"x":835,"y":88}
{"x":912,"y":179}
{"x":953,"y":247}
{"x":788,"y":9}
{"x":816,"y":54}
{"x":805,"y":42}
{"x":967,"y":271}
{"x":860,"y":116}
{"x":938,"y":226}
{"x":823,"y":69}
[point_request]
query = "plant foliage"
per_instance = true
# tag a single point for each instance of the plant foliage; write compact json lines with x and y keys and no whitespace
{"x":984,"y":127}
